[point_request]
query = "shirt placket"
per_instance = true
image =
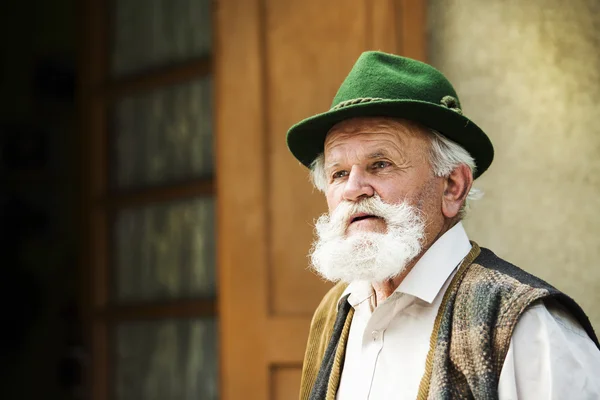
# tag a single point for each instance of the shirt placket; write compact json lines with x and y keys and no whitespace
{"x":373,"y":341}
{"x":374,"y":335}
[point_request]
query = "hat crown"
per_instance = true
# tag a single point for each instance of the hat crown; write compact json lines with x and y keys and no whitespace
{"x":381,"y":76}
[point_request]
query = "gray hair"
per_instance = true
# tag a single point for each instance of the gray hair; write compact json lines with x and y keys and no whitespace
{"x":444,"y":156}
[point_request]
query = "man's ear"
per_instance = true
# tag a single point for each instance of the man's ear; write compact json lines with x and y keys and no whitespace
{"x":456,"y":188}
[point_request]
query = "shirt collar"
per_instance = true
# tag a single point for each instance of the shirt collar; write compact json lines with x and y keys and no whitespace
{"x":427,"y":277}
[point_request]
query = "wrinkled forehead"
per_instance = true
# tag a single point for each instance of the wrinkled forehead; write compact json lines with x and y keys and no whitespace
{"x":360,"y":134}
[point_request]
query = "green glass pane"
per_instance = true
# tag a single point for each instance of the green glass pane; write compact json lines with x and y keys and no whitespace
{"x":165,"y":251}
{"x":163,"y":136}
{"x":154,"y":33}
{"x":167,"y":359}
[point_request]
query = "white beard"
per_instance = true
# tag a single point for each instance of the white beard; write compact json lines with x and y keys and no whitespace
{"x":367,"y":256}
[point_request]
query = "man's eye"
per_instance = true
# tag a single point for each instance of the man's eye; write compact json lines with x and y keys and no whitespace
{"x":381,"y":164}
{"x":339,"y":174}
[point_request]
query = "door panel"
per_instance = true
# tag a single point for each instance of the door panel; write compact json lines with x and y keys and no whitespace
{"x":301,"y":77}
{"x":286,"y":381}
{"x":278,"y":62}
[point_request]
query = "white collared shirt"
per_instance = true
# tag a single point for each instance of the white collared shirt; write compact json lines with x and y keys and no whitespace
{"x":550,"y":356}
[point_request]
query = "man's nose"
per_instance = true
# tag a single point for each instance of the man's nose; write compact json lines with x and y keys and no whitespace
{"x":357,"y":185}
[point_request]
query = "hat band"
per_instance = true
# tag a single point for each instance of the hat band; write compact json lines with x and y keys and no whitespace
{"x":449,"y":102}
{"x":358,"y":100}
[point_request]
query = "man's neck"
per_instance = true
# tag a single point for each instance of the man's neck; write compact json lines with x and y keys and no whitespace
{"x":383,"y":290}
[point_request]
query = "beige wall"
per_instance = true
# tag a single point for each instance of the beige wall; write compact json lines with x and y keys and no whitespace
{"x":528,"y":73}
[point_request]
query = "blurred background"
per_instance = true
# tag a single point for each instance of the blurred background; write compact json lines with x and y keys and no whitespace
{"x":154,"y":227}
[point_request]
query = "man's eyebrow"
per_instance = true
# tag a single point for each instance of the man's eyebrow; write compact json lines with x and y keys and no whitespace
{"x":378,"y":154}
{"x":331,"y":165}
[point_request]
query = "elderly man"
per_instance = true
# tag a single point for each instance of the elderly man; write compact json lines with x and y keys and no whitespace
{"x":418,"y":310}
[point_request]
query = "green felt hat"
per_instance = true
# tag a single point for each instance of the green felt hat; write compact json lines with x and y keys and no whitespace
{"x":387,"y":85}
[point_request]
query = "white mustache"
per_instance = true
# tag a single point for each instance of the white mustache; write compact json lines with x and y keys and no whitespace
{"x":372,"y":206}
{"x":339,"y":219}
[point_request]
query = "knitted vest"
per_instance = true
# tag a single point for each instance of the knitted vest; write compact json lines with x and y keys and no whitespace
{"x":470,"y":337}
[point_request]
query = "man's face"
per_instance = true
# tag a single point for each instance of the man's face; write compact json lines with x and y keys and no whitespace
{"x":383,"y":156}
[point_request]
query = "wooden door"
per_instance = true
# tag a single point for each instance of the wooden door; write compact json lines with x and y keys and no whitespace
{"x":276,"y":63}
{"x":149,"y":265}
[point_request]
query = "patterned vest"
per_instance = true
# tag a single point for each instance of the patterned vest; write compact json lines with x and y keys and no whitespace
{"x":470,"y":337}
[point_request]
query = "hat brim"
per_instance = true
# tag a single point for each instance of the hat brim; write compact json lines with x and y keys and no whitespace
{"x":306,"y":139}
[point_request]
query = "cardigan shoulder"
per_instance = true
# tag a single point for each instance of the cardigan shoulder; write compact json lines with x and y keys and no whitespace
{"x":321,"y":328}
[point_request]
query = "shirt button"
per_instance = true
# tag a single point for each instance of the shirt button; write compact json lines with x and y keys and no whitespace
{"x":375,"y":335}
